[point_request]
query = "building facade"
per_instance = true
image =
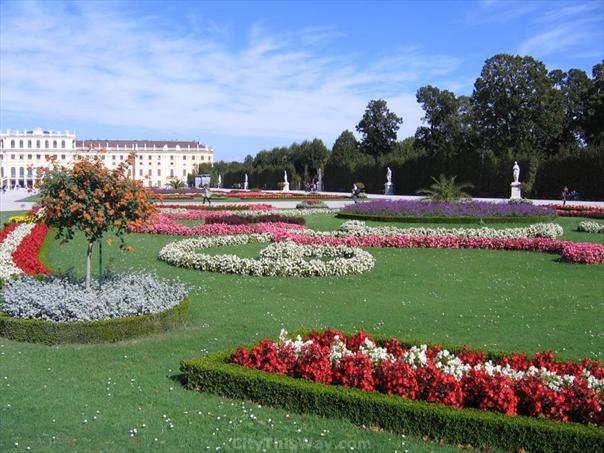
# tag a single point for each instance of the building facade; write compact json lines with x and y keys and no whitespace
{"x":156,"y":162}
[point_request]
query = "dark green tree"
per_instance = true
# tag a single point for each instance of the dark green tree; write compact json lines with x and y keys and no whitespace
{"x":378,"y":128}
{"x":445,"y":115}
{"x":345,"y":149}
{"x":515,"y":105}
{"x":593,"y":120}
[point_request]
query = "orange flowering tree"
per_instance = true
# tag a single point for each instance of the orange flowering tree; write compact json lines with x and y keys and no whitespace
{"x":89,"y":197}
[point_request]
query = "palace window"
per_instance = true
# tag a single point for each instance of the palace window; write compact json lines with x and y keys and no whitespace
{"x":20,"y":156}
{"x":113,"y":157}
{"x":12,"y":156}
{"x":184,"y":172}
{"x":158,"y":172}
{"x":171,"y":173}
{"x":184,"y":157}
{"x":171,"y":157}
{"x":38,"y":156}
{"x":46,"y":144}
{"x":29,"y":157}
{"x":150,"y":157}
{"x":37,"y":143}
{"x":12,"y":143}
{"x":20,"y":143}
{"x":54,"y":143}
{"x":140,"y":172}
{"x":62,"y":156}
{"x":192,"y":157}
{"x":62,"y":143}
{"x":29,"y":143}
{"x":13,"y":172}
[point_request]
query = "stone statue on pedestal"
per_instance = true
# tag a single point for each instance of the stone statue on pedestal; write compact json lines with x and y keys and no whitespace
{"x":516,"y":194}
{"x":245,"y":184}
{"x":388,"y":189}
{"x":320,"y":181}
{"x":285,"y":182}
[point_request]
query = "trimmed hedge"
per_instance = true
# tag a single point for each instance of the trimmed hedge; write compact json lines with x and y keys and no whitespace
{"x":456,"y":426}
{"x":105,"y":331}
{"x":405,"y":219}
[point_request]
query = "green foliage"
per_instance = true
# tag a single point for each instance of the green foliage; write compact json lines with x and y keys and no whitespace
{"x":378,"y":126}
{"x":593,"y":118}
{"x":107,"y":331}
{"x":455,"y":426}
{"x":175,"y":183}
{"x":446,"y":189}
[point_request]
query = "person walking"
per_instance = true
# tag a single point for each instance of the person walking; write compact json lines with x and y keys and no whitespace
{"x":355,"y":192}
{"x":564,"y":195}
{"x":206,"y":195}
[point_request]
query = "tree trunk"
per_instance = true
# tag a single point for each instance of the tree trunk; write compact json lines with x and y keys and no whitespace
{"x":88,"y":264}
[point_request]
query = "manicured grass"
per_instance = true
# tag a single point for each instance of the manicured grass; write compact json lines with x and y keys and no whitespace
{"x":509,"y":301}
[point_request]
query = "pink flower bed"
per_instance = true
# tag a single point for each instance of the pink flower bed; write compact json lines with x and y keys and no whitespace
{"x":163,"y":224}
{"x":578,"y":211}
{"x":514,"y":384}
{"x":573,"y":252}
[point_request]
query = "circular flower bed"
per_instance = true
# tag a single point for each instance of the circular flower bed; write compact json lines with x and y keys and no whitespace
{"x":57,"y":310}
{"x":284,"y":259}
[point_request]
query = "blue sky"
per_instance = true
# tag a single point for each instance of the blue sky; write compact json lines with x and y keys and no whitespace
{"x":243,"y":76}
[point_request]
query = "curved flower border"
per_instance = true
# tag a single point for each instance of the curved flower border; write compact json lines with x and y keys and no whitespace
{"x":360,"y":228}
{"x":284,"y":259}
{"x":572,"y":252}
{"x":19,"y":247}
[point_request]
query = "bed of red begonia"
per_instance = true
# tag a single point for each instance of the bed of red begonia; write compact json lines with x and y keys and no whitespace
{"x":538,"y":386}
{"x":572,"y":252}
{"x":578,"y":211}
{"x":26,"y":255}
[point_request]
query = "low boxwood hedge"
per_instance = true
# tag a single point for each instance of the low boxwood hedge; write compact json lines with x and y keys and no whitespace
{"x":214,"y":374}
{"x":105,"y":331}
{"x":407,"y":219}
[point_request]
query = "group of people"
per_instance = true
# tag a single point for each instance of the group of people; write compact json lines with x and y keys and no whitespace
{"x":566,"y":195}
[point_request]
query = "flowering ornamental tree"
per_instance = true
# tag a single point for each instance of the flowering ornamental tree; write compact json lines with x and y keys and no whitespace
{"x":91,"y":198}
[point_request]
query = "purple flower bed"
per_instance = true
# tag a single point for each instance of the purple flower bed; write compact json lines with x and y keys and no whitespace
{"x":478,"y":209}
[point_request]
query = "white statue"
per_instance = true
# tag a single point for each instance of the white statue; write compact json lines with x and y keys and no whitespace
{"x":219,"y":180}
{"x":245,"y":184}
{"x":516,"y":171}
{"x":246,"y":178}
{"x":319,"y":176}
{"x":285,"y":177}
{"x":388,"y":175}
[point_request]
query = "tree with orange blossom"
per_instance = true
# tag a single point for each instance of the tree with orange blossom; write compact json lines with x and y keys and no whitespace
{"x":89,"y":197}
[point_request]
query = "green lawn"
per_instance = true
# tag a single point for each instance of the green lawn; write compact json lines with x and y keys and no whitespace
{"x":510,"y":301}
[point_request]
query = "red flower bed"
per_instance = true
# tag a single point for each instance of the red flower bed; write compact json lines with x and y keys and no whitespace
{"x":220,"y":207}
{"x":234,"y":219}
{"x":284,"y":196}
{"x":538,"y":386}
{"x":7,"y":230}
{"x":25,"y":256}
{"x":578,"y":211}
{"x":573,"y":252}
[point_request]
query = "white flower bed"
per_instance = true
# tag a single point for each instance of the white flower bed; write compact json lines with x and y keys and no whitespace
{"x":61,"y":300}
{"x":360,"y":228}
{"x":8,"y":268}
{"x":283,"y":259}
{"x":590,"y":227}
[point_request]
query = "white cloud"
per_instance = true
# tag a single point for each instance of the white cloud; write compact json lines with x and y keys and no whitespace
{"x":92,"y":64}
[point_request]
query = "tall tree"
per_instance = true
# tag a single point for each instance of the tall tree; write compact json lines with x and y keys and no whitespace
{"x":593,"y":121}
{"x":308,"y":157}
{"x":345,"y":149}
{"x":378,"y":128}
{"x":574,"y":87}
{"x":515,"y":105}
{"x":444,"y":115}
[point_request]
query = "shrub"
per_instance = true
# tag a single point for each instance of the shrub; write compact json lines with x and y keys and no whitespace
{"x":312,"y":204}
{"x":112,"y":330}
{"x":246,"y":220}
{"x":60,"y":300}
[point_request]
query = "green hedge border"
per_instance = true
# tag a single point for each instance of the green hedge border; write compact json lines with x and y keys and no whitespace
{"x":105,"y":331}
{"x":502,"y":219}
{"x":212,"y":373}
